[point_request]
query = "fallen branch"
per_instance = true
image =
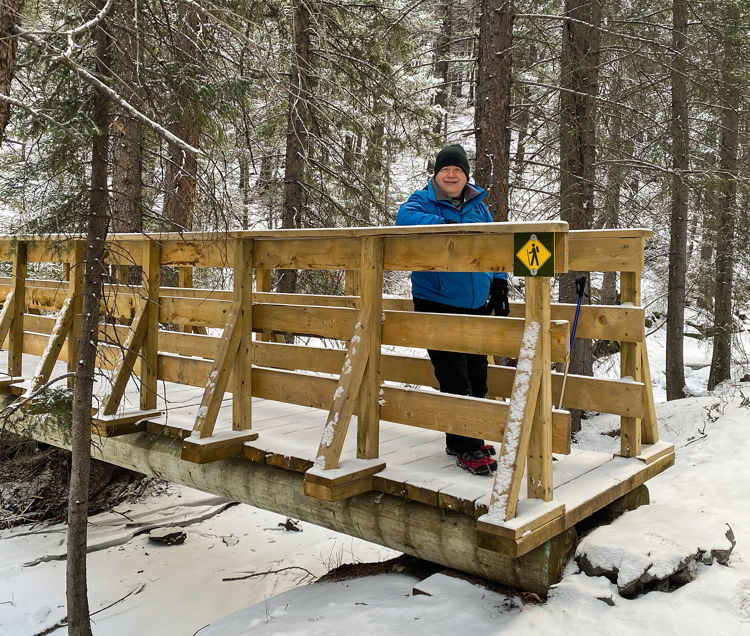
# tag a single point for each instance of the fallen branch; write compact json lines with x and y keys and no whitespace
{"x":254,"y":574}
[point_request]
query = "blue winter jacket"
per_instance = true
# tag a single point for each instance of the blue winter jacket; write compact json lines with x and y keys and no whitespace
{"x":460,"y":289}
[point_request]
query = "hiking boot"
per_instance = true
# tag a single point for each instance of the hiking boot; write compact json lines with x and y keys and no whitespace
{"x":476,"y":462}
{"x":487,"y":449}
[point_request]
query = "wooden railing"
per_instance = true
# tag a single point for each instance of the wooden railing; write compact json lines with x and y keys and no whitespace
{"x":131,"y":342}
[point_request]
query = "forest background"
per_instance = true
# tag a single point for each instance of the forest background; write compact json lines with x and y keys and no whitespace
{"x":312,"y":113}
{"x":185,"y":115}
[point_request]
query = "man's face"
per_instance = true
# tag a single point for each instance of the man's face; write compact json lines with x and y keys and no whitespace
{"x":452,"y":180}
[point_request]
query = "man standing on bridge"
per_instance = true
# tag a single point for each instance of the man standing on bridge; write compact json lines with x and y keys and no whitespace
{"x":449,"y":198}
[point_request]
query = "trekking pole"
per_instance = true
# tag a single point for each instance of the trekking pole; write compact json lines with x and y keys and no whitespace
{"x":580,"y":287}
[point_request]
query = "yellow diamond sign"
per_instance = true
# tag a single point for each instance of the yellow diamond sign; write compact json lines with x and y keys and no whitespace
{"x":533,"y":254}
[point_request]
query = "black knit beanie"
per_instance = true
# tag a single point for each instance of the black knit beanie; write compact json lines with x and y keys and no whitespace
{"x":452,"y":156}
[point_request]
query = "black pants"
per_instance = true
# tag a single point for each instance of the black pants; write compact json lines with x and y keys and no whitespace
{"x":457,"y":373}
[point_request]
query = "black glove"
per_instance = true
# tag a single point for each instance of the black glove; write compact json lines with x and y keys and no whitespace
{"x":499,"y":297}
{"x":448,"y":221}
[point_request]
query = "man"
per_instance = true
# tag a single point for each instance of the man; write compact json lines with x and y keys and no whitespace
{"x":449,"y":198}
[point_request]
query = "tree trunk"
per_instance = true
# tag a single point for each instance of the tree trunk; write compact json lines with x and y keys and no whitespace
{"x":127,"y":132}
{"x":76,"y":586}
{"x":578,"y":82}
{"x":181,"y":174}
{"x":493,"y":105}
{"x":678,"y":204}
{"x":298,"y":123}
{"x":442,"y":53}
{"x":727,"y":209}
{"x":10,"y":16}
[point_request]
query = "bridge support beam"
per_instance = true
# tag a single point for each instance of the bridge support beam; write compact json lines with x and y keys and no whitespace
{"x":427,"y":532}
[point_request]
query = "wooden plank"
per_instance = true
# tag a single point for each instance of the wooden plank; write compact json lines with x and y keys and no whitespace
{"x":654,"y":452}
{"x":189,"y":250}
{"x":348,"y":470}
{"x":126,"y":365}
{"x":194,"y":311}
{"x":307,"y":253}
{"x":75,"y":291}
{"x":339,"y":492}
{"x":223,"y":445}
{"x":218,"y":378}
{"x":371,"y":317}
{"x":466,"y":334}
{"x":630,"y":367}
{"x":342,"y":406}
{"x":150,"y":345}
{"x":511,"y":464}
{"x":649,"y":423}
{"x":477,"y":253}
{"x":17,"y":310}
{"x":124,"y":423}
{"x":56,"y":341}
{"x":539,"y":459}
{"x":603,"y":254}
{"x":601,"y":322}
{"x":242,"y":393}
{"x":532,"y":514}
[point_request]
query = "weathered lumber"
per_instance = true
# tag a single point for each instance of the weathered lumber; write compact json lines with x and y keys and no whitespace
{"x":150,"y":345}
{"x":342,"y":404}
{"x":52,"y":350}
{"x":630,"y":366}
{"x":539,"y":456}
{"x":371,"y":316}
{"x":523,"y":403}
{"x":242,"y":392}
{"x":126,"y":365}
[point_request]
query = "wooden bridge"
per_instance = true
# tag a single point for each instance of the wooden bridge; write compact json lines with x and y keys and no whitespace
{"x":248,"y":416}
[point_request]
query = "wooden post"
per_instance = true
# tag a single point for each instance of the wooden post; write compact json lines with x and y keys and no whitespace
{"x":351,"y":282}
{"x":15,"y":335}
{"x":185,"y":279}
{"x":263,"y":283}
{"x":242,"y":392}
{"x":539,"y":467}
{"x":75,"y":291}
{"x":371,"y":315}
{"x":150,"y":348}
{"x":630,"y":366}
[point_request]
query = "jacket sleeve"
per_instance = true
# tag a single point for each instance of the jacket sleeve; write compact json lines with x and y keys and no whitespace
{"x":414,"y":212}
{"x":500,"y":275}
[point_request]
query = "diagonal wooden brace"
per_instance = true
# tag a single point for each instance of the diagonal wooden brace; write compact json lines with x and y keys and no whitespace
{"x":6,"y":316}
{"x":350,"y":381}
{"x":219,"y":377}
{"x":54,"y":346}
{"x":523,"y":403}
{"x":124,"y":369}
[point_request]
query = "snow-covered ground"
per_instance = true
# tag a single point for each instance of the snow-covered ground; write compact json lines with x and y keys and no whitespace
{"x":137,"y":586}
